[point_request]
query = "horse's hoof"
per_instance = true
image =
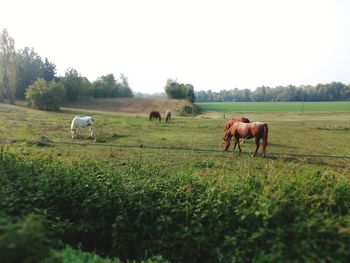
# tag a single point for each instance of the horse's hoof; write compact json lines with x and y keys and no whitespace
{"x":253,"y":155}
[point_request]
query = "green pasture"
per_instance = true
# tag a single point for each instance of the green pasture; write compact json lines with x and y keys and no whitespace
{"x":232,"y":107}
{"x":185,"y":139}
{"x":140,"y":189}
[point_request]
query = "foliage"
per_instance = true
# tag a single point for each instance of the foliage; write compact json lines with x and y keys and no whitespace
{"x":48,"y":70}
{"x":68,"y":255}
{"x":176,"y":90}
{"x":8,"y":80}
{"x":107,"y":86}
{"x":46,"y":95}
{"x":74,"y":84}
{"x":22,"y":240}
{"x":334,"y":91}
{"x":142,"y":210}
{"x":30,"y":67}
{"x":187,"y":108}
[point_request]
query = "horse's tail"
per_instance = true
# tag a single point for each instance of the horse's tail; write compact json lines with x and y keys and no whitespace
{"x":265,"y":135}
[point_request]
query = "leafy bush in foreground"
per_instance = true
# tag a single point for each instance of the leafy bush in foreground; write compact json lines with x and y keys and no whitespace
{"x":69,"y":255}
{"x":143,"y":211}
{"x":22,"y":240}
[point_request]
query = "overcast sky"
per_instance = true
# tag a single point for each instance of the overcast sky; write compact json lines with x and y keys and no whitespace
{"x":211,"y":44}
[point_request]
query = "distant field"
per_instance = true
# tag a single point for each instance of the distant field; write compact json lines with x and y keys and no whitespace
{"x":342,"y":106}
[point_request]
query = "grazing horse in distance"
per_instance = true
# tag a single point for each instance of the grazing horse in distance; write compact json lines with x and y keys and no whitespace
{"x":257,"y":130}
{"x":78,"y":123}
{"x":167,"y":116}
{"x":155,"y":115}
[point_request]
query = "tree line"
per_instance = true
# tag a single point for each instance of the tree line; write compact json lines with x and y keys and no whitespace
{"x":24,"y":74}
{"x":335,"y":91}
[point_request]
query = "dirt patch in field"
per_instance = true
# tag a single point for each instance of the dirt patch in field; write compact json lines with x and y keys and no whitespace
{"x":128,"y":105}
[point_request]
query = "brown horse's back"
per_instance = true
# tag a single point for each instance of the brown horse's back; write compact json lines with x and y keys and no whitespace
{"x":155,"y":115}
{"x":231,"y":121}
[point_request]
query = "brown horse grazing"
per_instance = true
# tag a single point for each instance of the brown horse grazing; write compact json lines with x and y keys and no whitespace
{"x":154,"y":115}
{"x":231,"y":121}
{"x":257,"y":130}
{"x":167,"y":116}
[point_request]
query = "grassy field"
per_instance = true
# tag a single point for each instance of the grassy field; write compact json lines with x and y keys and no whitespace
{"x":139,"y":189}
{"x":232,"y":107}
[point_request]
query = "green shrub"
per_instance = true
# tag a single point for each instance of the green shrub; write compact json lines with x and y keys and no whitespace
{"x":22,"y":240}
{"x":46,"y":95}
{"x":142,"y":211}
{"x":187,"y":108}
{"x":69,"y":255}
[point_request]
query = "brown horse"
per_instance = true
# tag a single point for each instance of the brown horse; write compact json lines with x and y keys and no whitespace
{"x":231,"y":121}
{"x":154,"y":115}
{"x":167,"y":116}
{"x":257,"y":130}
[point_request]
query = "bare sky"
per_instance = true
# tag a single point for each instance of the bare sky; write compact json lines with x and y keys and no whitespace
{"x":211,"y":44}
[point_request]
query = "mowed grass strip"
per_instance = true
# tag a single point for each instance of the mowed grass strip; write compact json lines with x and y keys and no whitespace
{"x":342,"y":106}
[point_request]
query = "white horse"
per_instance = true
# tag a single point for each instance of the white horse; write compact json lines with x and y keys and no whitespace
{"x":78,"y":123}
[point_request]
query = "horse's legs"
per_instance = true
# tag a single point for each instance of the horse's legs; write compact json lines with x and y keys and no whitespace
{"x":237,"y":143}
{"x":264,"y":148}
{"x":227,"y":142}
{"x":234,"y":146}
{"x":91,"y":132}
{"x":257,"y":144}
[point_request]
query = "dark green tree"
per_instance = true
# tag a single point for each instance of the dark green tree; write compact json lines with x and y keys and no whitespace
{"x":48,"y":70}
{"x":123,"y":89}
{"x":176,"y":90}
{"x":8,"y":78}
{"x":104,"y":87}
{"x":29,"y":68}
{"x":74,"y":84}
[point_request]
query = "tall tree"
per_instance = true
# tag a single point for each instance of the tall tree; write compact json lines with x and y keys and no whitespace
{"x":104,"y":87}
{"x":8,"y":78}
{"x":29,"y":69}
{"x":48,"y":70}
{"x":74,"y":84}
{"x":190,"y":95}
{"x":123,"y":87}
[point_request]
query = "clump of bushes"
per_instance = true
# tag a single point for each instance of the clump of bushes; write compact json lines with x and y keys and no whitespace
{"x":45,"y":95}
{"x":187,"y":108}
{"x":143,"y":211}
